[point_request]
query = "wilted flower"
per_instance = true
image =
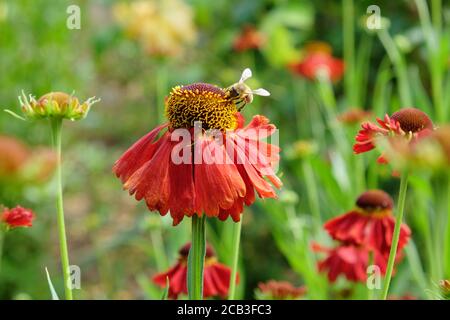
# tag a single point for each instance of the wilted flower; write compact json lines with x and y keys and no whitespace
{"x":205,"y":162}
{"x":409,"y":123}
{"x":354,"y":116}
{"x":370,"y":224}
{"x":249,"y":39}
{"x":318,"y":59}
{"x":216,"y":280}
{"x":57,"y":105}
{"x":279,"y":290}
{"x":444,"y":285}
{"x":163,"y":28}
{"x":17,"y":217}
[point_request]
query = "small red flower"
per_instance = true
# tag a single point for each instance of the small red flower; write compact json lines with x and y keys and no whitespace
{"x":410,"y":123}
{"x":370,"y":224}
{"x":280,"y":290}
{"x":216,"y":280}
{"x":215,"y":174}
{"x":348,"y":260}
{"x":249,"y":39}
{"x":317,"y":61}
{"x":18,"y":217}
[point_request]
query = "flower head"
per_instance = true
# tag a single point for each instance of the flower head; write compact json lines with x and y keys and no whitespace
{"x":17,"y":217}
{"x":249,"y":39}
{"x":279,"y":290}
{"x":370,"y":223}
{"x":205,"y":161}
{"x":348,"y":260}
{"x":318,"y":60}
{"x":216,"y":279}
{"x":55,"y":105}
{"x":409,"y":123}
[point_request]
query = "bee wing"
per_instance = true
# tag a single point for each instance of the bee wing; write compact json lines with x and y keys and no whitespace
{"x":247,"y":73}
{"x":261,"y":92}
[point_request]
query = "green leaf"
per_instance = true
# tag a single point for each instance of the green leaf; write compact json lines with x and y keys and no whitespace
{"x":166,"y":290}
{"x":50,"y":285}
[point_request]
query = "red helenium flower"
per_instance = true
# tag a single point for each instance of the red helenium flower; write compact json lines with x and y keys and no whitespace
{"x":248,"y":39}
{"x":348,"y":260}
{"x":316,"y":61}
{"x":218,"y":173}
{"x":370,"y":224}
{"x":410,"y":123}
{"x":216,"y":280}
{"x":18,"y":217}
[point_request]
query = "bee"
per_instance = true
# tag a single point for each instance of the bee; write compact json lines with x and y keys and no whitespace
{"x":241,"y":94}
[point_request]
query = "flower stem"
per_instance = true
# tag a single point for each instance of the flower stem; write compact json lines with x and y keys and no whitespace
{"x":312,"y":191}
{"x":196,"y":258}
{"x":236,"y":241}
{"x":2,"y":238}
{"x":349,"y":51}
{"x":396,"y":235}
{"x":56,"y":125}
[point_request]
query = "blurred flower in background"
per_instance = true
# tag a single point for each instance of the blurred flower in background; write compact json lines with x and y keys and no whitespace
{"x":163,"y":28}
{"x":348,"y":260}
{"x":354,"y":116}
{"x":318,"y":58}
{"x":20,"y":164}
{"x":17,"y":217}
{"x":216,"y":279}
{"x":249,"y":39}
{"x":370,"y":224}
{"x":279,"y":290}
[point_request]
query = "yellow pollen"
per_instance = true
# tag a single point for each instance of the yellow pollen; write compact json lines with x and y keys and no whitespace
{"x":200,"y":102}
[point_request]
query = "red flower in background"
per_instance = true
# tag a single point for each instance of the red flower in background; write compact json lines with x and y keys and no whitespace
{"x":216,"y":279}
{"x":370,"y":224}
{"x":216,"y":175}
{"x":348,"y":260}
{"x":280,"y":290}
{"x":316,"y":61}
{"x":17,"y":217}
{"x":410,"y":123}
{"x":249,"y":39}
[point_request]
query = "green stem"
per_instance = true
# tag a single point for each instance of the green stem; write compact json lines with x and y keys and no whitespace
{"x":236,"y":241}
{"x":158,"y":249}
{"x":2,"y":238}
{"x":196,"y":258}
{"x":447,"y":234}
{"x":396,"y":235}
{"x":56,"y":125}
{"x":349,"y":51}
{"x":311,"y":191}
{"x":434,"y":61}
{"x":399,"y":66}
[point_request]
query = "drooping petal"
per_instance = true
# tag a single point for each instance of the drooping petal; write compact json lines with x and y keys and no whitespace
{"x":217,"y":181}
{"x":137,"y":155}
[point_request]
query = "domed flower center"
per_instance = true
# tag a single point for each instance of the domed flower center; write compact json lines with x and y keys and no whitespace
{"x":184,"y":251}
{"x":375,"y":201}
{"x":412,"y":120}
{"x":61,"y":98}
{"x":200,"y":102}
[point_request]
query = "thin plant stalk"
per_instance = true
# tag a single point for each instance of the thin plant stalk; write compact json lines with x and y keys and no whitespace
{"x":56,"y":126}
{"x":312,"y":191}
{"x":2,"y":239}
{"x":235,"y":247}
{"x":196,"y":258}
{"x":399,"y":66}
{"x":349,"y":51}
{"x":158,"y":249}
{"x":396,"y":235}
